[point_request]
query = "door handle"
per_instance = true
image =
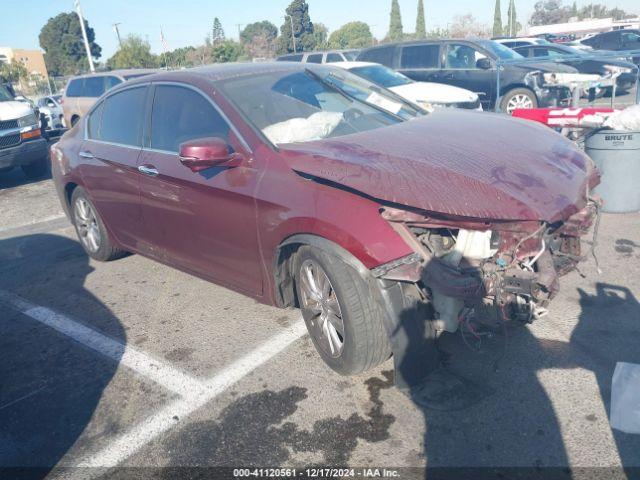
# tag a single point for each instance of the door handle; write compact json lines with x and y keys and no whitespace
{"x":85,"y":154}
{"x":148,"y":170}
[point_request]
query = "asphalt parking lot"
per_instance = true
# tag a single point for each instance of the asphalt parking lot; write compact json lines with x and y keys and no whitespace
{"x":134,"y":364}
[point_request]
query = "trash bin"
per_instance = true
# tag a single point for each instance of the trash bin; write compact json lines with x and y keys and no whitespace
{"x":617,"y":155}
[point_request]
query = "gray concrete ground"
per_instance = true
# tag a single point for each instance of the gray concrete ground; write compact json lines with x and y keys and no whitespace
{"x":210,"y":378}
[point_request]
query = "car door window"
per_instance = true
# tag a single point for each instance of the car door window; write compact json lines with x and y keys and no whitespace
{"x":75,"y":88}
{"x":181,"y":114}
{"x":315,"y":58}
{"x":111,"y":82}
{"x":93,"y":87}
{"x":94,"y":121}
{"x":123,"y":116}
{"x":334,"y":57}
{"x":381,"y":55}
{"x":544,"y":52}
{"x":461,"y":56}
{"x":421,"y":56}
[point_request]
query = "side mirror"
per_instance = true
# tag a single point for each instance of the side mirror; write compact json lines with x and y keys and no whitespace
{"x":207,"y":152}
{"x":484,"y":63}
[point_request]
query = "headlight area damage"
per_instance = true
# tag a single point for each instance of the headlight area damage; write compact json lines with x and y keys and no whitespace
{"x":491,"y":271}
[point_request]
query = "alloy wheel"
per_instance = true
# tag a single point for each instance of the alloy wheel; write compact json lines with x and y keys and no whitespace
{"x":519,"y":101}
{"x":323,"y":310}
{"x":87,"y":225}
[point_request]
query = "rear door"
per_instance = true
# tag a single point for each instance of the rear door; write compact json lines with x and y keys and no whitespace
{"x":109,"y":154}
{"x":202,"y":221}
{"x":461,"y":70}
{"x":421,"y":62}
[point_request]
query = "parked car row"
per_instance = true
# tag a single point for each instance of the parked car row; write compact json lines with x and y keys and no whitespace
{"x":307,"y":185}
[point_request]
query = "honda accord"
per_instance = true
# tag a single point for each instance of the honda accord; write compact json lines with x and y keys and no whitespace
{"x":307,"y":186}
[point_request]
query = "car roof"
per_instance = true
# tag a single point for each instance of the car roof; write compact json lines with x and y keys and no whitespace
{"x":349,"y":65}
{"x":121,"y":73}
{"x":223,"y":71}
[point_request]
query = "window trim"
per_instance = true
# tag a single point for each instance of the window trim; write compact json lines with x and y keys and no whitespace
{"x":232,"y":127}
{"x":104,"y":98}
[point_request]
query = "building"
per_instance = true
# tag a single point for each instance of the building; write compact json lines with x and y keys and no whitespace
{"x":33,"y":60}
{"x":585,"y":27}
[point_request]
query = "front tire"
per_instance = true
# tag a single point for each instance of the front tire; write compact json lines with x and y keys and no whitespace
{"x":344,"y":321}
{"x":518,"y":98}
{"x":91,"y":231}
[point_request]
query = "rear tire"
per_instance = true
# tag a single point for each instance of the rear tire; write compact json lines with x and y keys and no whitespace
{"x":36,"y":169}
{"x":74,"y":120}
{"x":91,"y":231}
{"x":360,"y":340}
{"x":518,"y":98}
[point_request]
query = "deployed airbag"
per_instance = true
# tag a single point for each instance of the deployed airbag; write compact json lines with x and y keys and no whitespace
{"x":315,"y":127}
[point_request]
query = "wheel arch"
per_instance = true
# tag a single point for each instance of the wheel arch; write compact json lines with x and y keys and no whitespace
{"x":285,"y":292}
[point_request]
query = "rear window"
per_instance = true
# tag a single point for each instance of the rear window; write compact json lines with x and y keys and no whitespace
{"x":93,"y":87}
{"x":291,"y":58}
{"x":122,"y":117}
{"x":74,"y":89}
{"x":382,"y":55}
{"x":111,"y":82}
{"x":421,"y":56}
{"x":315,"y":58}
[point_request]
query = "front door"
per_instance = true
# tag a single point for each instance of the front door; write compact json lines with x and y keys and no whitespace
{"x":461,"y":70}
{"x":202,"y":221}
{"x":110,"y":159}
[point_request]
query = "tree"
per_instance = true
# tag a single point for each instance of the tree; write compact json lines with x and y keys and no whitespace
{"x":297,"y":13}
{"x":13,"y":72}
{"x":217,"y":32}
{"x":574,"y":9}
{"x":320,"y":35}
{"x":226,"y":51}
{"x":497,"y":20}
{"x":134,"y":53}
{"x":259,"y":39}
{"x":466,"y":26}
{"x":61,"y":39}
{"x":351,"y":35}
{"x":547,"y":12}
{"x":395,"y":22}
{"x":421,"y":29}
{"x":176,"y":58}
{"x":512,"y":21}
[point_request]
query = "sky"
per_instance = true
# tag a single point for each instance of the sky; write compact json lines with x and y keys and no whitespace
{"x":187,"y":22}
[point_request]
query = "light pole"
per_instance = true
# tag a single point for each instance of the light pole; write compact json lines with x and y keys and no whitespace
{"x":293,"y":38}
{"x":115,"y":27}
{"x":84,"y":36}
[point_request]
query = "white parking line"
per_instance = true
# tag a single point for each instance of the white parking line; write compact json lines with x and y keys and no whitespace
{"x":129,"y":443}
{"x":30,"y":223}
{"x":194,"y":393}
{"x":156,"y":370}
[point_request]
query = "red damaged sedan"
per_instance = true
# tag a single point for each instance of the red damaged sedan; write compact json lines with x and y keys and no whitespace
{"x":305,"y":186}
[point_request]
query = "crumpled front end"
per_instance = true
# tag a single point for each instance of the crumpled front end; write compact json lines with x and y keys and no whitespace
{"x":494,"y":270}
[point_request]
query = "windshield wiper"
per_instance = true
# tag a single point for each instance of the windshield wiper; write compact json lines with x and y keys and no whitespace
{"x":342,"y":92}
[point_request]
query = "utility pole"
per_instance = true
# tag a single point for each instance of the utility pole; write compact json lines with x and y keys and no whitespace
{"x":239,"y":25}
{"x":293,"y":38}
{"x":115,"y":27}
{"x":84,"y":36}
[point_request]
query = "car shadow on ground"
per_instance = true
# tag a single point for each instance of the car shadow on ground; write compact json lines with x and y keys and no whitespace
{"x":16,"y":178}
{"x":508,"y":427}
{"x":50,"y":386}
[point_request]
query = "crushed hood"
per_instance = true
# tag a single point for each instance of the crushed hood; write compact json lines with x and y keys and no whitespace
{"x":458,"y":163}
